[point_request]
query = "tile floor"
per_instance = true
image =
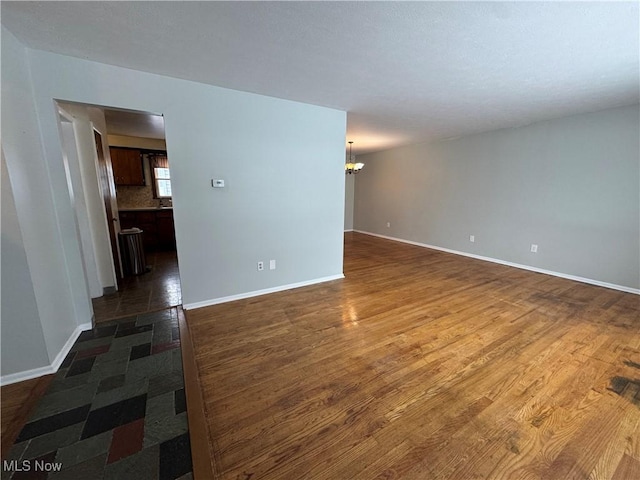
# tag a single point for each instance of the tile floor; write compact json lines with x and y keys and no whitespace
{"x":155,"y":290}
{"x":115,"y":409}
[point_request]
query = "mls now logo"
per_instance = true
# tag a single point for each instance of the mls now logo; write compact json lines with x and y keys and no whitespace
{"x":31,"y":465}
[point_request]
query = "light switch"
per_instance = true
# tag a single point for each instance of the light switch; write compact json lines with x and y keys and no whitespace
{"x":217,"y":183}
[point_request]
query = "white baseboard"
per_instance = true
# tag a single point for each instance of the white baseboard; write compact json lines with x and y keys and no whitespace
{"x":590,"y":281}
{"x":55,"y":365}
{"x":26,"y":375}
{"x":256,"y":293}
{"x":48,"y":369}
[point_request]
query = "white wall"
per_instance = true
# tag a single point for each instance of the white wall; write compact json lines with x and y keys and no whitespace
{"x":38,"y":213}
{"x":267,"y":210}
{"x":569,"y":185}
{"x":349,"y":191}
{"x":23,"y":345}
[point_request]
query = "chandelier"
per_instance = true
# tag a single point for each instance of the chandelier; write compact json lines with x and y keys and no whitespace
{"x":351,"y":166}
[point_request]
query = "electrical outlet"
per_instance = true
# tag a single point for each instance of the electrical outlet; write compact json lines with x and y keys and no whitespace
{"x":472,"y":238}
{"x":260,"y":266}
{"x":272,"y":264}
{"x":534,"y":248}
{"x":388,"y":224}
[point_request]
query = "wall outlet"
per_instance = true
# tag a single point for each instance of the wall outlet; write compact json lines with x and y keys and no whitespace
{"x":472,"y":238}
{"x":260,"y":266}
{"x":272,"y":264}
{"x":534,"y":248}
{"x":388,"y":224}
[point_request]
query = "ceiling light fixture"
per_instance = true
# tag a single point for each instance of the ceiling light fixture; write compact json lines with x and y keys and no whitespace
{"x":351,"y":166}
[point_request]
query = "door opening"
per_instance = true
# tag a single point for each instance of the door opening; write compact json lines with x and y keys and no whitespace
{"x":141,"y":175}
{"x":127,"y":181}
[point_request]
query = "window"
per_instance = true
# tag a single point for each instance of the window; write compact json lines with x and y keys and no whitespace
{"x":163,"y":182}
{"x":161,"y":176}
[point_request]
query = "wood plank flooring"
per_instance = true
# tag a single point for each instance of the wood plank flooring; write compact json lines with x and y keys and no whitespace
{"x":423,"y":365}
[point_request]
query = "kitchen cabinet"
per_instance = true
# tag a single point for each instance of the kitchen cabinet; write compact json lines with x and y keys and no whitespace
{"x":166,"y":230}
{"x":157,"y":225}
{"x":127,"y":166}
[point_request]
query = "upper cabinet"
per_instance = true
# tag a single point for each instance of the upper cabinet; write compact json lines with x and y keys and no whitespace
{"x":127,"y":166}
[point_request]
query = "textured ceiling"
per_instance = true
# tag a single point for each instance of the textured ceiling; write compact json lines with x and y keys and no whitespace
{"x":405,"y":72}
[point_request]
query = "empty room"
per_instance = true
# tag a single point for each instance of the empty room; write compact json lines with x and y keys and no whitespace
{"x":320,"y":240}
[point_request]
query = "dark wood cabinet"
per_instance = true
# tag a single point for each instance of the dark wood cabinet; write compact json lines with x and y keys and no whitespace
{"x":157,"y":225}
{"x":127,"y":166}
{"x":166,"y":230}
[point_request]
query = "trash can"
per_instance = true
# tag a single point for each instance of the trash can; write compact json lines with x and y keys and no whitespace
{"x":132,"y":252}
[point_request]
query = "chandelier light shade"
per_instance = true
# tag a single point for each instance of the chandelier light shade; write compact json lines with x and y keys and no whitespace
{"x":351,"y":166}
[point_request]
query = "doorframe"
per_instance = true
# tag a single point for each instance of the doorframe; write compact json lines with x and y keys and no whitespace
{"x":107,"y":189}
{"x":75,"y":184}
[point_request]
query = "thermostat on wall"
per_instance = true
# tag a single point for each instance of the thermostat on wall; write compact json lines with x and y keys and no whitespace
{"x":217,"y":183}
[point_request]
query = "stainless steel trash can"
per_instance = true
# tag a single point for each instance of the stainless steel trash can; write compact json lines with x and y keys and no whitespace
{"x":132,"y":252}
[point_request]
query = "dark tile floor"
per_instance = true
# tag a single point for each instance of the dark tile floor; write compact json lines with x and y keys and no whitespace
{"x":115,"y":409}
{"x":155,"y":290}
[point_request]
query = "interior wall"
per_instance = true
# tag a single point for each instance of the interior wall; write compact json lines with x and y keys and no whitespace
{"x":570,"y":186}
{"x":37,"y":210}
{"x":266,"y":210}
{"x":23,"y":346}
{"x":349,"y":190}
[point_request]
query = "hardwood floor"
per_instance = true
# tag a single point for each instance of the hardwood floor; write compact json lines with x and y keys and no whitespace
{"x":420,"y":365}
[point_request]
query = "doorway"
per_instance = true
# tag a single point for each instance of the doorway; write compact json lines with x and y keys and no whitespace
{"x":141,"y":177}
{"x":131,"y":188}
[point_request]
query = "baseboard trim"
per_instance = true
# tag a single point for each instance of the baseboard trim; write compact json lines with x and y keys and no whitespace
{"x":49,"y":369}
{"x":26,"y":375}
{"x":567,"y":276}
{"x":55,"y":365}
{"x":257,"y":293}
